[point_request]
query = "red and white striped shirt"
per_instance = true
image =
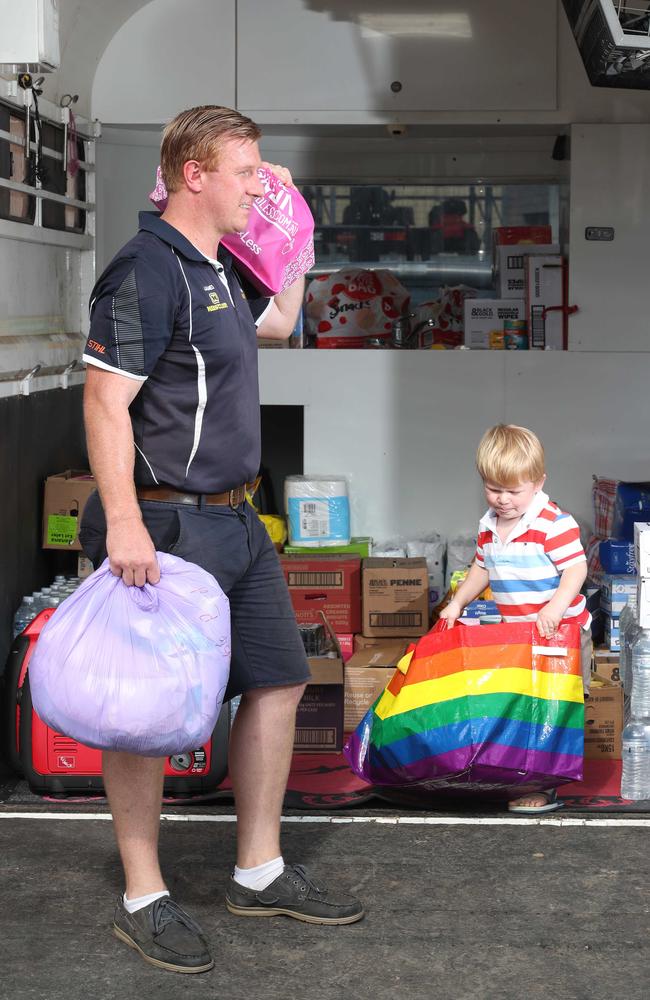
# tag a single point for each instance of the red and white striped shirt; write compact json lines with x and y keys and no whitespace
{"x":525,"y":570}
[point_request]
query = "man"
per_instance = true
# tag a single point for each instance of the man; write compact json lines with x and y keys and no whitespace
{"x":173,"y":428}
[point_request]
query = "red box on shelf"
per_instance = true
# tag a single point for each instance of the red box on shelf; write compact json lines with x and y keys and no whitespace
{"x":504,"y":236}
{"x":325,"y":583}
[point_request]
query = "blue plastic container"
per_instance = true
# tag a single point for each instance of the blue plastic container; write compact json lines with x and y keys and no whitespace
{"x":617,"y":557}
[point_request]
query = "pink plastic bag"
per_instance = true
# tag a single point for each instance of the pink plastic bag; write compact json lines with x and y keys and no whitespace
{"x":140,"y":669}
{"x":278,"y":245}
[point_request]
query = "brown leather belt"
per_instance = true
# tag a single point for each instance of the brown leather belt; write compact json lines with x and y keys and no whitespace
{"x":231,"y":498}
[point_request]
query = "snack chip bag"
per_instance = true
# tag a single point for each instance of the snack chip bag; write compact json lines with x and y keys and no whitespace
{"x":343,"y":309}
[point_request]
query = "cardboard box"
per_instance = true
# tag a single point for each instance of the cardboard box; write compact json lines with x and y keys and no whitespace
{"x":64,"y":499}
{"x":616,"y":592}
{"x":510,"y":265}
{"x":603,"y":720}
{"x":366,"y":675}
{"x":517,"y":235}
{"x":484,"y":319}
{"x":545,"y":299}
{"x":346,"y":643}
{"x":359,"y":546}
{"x":325,"y":583}
{"x":319,"y":716}
{"x":643,"y":603}
{"x":362,"y":642}
{"x":395,"y":597}
{"x":607,"y":665}
{"x":642,"y":547}
{"x":478,"y":609}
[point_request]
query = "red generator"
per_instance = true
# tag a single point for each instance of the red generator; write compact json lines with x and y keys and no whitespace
{"x":56,"y":765}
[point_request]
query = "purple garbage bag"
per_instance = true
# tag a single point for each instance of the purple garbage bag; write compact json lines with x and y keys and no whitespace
{"x":139,"y":669}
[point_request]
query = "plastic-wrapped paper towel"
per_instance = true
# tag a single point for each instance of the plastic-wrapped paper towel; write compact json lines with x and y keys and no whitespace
{"x":433,"y":548}
{"x":318,"y":510}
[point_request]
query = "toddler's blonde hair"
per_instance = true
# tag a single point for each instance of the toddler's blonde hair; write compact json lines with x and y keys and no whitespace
{"x":508,"y":455}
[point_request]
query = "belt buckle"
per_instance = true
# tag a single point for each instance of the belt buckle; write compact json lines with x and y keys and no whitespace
{"x":232,"y":502}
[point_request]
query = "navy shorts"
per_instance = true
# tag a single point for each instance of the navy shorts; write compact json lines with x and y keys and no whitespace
{"x":234,"y":546}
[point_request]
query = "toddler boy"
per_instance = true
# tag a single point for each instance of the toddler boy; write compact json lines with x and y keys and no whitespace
{"x":528,"y":551}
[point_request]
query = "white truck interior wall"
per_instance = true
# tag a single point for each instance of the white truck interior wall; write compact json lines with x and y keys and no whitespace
{"x":40,"y":296}
{"x":609,"y":280}
{"x":405,"y":426}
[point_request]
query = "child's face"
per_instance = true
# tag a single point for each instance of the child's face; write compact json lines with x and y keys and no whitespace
{"x":510,"y":502}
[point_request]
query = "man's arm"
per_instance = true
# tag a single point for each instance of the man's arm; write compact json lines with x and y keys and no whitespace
{"x":280,"y":318}
{"x":107,"y":397}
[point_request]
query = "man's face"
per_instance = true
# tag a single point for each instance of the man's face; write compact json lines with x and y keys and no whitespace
{"x":229,"y":191}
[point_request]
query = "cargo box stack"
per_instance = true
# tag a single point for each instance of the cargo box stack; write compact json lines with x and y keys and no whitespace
{"x":612,"y":564}
{"x":635,"y":665}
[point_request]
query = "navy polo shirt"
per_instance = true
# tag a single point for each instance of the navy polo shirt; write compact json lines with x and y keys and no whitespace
{"x":185,"y":327}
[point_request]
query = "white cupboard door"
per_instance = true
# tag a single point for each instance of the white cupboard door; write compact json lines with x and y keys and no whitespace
{"x":307,"y":56}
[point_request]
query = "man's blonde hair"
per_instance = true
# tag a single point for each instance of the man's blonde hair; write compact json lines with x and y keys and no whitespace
{"x":196,"y":134}
{"x":508,"y":455}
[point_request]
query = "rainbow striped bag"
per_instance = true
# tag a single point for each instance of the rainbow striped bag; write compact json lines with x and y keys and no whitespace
{"x":489,"y":707}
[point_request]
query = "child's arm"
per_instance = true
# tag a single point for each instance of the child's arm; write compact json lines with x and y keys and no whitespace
{"x":474,"y":584}
{"x":571,"y":580}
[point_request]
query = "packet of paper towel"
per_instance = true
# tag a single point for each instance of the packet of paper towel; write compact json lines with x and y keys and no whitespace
{"x":317,"y":509}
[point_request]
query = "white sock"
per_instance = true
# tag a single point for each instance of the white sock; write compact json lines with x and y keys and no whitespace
{"x":131,"y":905}
{"x":260,"y":876}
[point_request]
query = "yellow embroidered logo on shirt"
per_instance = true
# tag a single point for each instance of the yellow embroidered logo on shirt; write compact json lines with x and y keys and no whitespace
{"x":216,"y":304}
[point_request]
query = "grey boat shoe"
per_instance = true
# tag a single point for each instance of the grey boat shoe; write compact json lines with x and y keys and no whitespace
{"x":294,"y":894}
{"x":164,"y":935}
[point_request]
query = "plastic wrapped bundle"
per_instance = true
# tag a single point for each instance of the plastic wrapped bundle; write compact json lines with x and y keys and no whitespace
{"x":433,"y":548}
{"x":138,"y":669}
{"x":460,"y":554}
{"x":318,"y":510}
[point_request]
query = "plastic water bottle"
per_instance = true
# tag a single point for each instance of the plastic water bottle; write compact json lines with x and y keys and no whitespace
{"x":626,"y":618}
{"x":640,"y":675}
{"x":635,"y":783}
{"x":23,"y":615}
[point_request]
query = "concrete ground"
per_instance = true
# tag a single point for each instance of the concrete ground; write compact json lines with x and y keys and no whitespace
{"x":459,"y":907}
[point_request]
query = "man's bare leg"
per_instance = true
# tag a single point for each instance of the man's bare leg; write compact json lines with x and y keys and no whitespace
{"x":260,"y":758}
{"x":261,"y":747}
{"x":134,"y":788}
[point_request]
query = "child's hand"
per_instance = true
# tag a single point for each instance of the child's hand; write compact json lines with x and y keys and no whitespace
{"x":548,"y":621}
{"x":451,"y":612}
